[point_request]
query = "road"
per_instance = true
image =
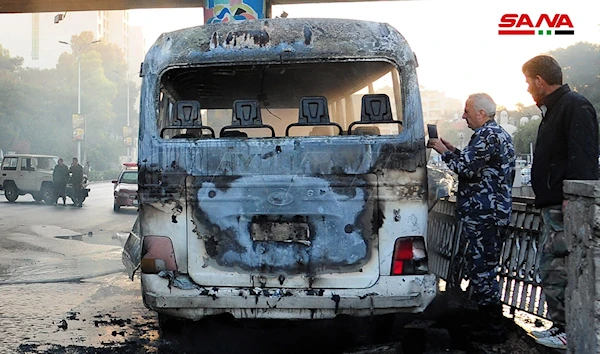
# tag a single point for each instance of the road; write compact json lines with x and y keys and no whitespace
{"x":41,"y":243}
{"x":63,"y":263}
{"x":63,"y":289}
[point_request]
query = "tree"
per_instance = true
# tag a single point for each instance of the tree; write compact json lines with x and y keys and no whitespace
{"x":523,"y":110}
{"x":524,"y":135}
{"x":581,"y":69}
{"x":103,"y":96}
{"x":9,"y":97}
{"x":7,"y":63}
{"x":36,"y":105}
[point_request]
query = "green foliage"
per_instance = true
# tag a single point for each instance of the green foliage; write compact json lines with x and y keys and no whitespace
{"x":36,"y":105}
{"x":7,"y":63}
{"x":524,"y":135}
{"x":581,"y":67}
{"x":523,"y":110}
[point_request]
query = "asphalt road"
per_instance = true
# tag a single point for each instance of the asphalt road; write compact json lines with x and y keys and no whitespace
{"x":63,"y":263}
{"x":40,"y":243}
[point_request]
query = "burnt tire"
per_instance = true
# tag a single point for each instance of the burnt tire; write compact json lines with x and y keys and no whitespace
{"x":47,"y":194}
{"x":11,"y":192}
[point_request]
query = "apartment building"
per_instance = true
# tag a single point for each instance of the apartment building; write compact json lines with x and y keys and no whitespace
{"x":35,"y":36}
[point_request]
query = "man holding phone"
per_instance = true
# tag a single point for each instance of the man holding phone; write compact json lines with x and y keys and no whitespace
{"x":485,"y":171}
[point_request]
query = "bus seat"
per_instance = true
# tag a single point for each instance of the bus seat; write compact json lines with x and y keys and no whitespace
{"x":186,"y":116}
{"x":375,"y":109}
{"x":246,"y":114}
{"x":314,"y":112}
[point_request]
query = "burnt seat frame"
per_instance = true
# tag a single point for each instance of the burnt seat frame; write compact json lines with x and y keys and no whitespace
{"x":246,"y":114}
{"x":313,"y":112}
{"x":375,"y":109}
{"x":187,"y":116}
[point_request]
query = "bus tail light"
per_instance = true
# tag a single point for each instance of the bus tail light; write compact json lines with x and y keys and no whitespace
{"x":410,"y":256}
{"x":158,"y":254}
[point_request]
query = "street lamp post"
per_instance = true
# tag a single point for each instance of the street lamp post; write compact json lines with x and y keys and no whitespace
{"x":128,"y":147}
{"x":77,"y":49}
{"x":128,"y":82}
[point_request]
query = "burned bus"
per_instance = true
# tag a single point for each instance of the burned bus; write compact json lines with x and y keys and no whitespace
{"x":282,"y":172}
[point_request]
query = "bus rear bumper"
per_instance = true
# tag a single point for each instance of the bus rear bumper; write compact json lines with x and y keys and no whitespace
{"x":269,"y":303}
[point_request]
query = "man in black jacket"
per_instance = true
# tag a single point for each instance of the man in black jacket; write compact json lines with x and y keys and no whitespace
{"x":76,"y":171}
{"x":60,"y":177}
{"x":566,"y":148}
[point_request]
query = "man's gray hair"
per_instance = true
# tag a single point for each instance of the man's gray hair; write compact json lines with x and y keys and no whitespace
{"x":483,"y":101}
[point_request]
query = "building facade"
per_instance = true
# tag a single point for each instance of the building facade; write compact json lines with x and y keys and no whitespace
{"x":35,"y":37}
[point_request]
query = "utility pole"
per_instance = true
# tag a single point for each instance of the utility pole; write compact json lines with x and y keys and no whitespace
{"x":78,"y":50}
{"x":128,"y":108}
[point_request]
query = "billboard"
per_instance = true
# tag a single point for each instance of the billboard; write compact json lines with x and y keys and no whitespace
{"x":127,"y":136}
{"x":78,"y":121}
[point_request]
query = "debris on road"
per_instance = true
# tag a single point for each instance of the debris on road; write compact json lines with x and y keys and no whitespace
{"x":63,"y":325}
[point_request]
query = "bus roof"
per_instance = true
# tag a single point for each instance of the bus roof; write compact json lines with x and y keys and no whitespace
{"x":277,"y":40}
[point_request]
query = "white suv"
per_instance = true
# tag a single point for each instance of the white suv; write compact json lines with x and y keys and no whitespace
{"x":22,"y":174}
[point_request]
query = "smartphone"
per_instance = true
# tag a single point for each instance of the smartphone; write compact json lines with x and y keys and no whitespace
{"x":432,"y":131}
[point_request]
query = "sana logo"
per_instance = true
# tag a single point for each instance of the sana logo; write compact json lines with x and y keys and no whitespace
{"x":523,"y":24}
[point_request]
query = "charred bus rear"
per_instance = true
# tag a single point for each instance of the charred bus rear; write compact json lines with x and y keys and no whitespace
{"x":282,"y":172}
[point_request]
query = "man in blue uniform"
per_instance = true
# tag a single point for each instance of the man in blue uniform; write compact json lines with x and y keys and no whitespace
{"x":485,"y":171}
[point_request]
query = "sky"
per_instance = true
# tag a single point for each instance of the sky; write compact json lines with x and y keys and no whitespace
{"x":456,"y":42}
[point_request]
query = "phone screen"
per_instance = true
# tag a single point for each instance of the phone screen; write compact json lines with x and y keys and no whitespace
{"x":432,"y":131}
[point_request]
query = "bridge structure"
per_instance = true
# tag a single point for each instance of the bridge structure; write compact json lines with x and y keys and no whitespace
{"x":214,"y":10}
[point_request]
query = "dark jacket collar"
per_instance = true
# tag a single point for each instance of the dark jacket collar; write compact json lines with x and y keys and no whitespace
{"x":550,"y":100}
